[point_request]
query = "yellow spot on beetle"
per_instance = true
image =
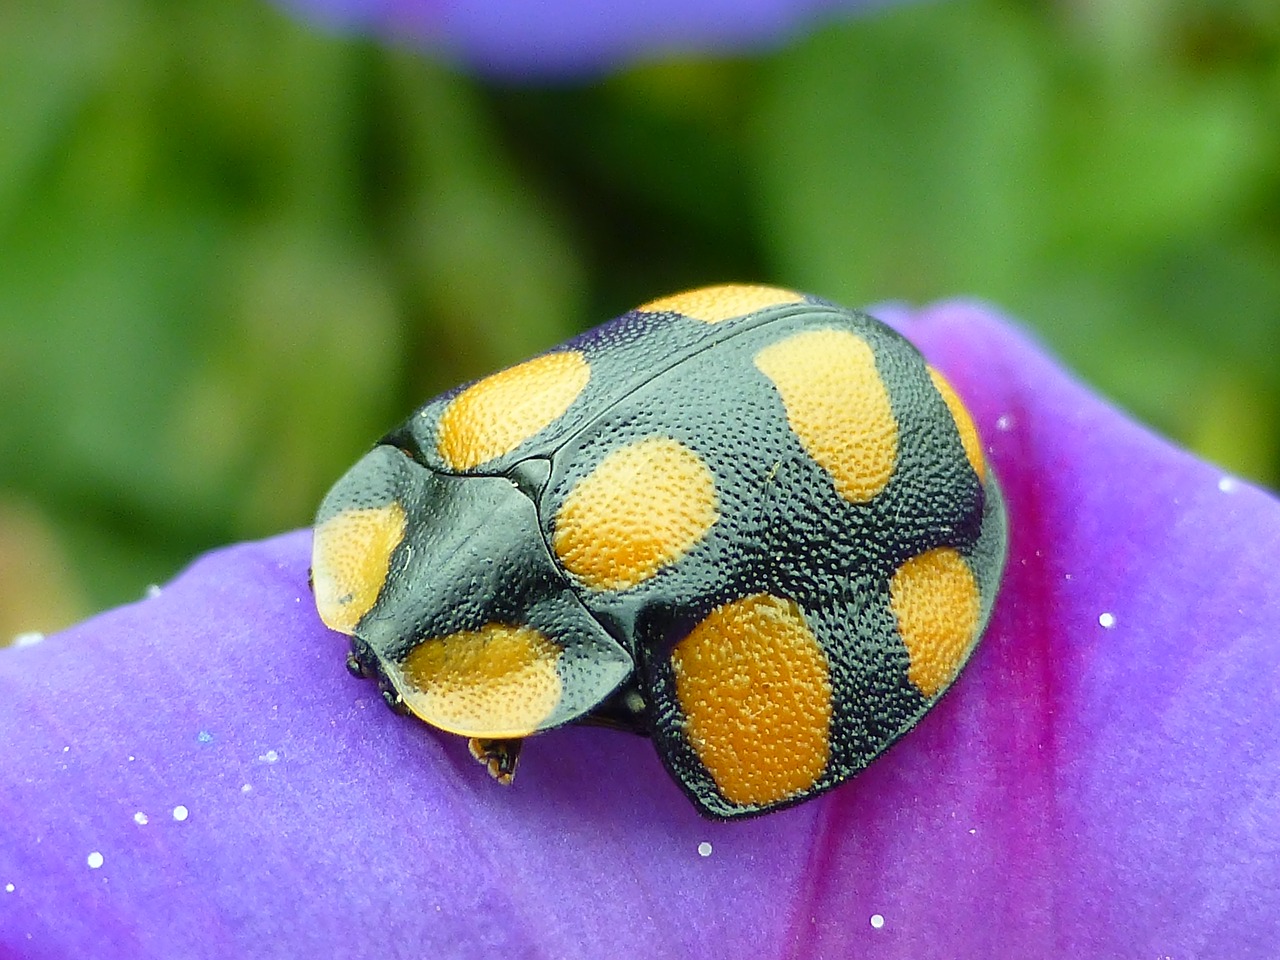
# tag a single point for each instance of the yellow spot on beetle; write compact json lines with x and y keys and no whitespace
{"x":964,"y":423}
{"x":935,"y":599}
{"x":350,"y":557}
{"x":754,"y":686}
{"x":496,"y":682}
{"x":723,"y":302}
{"x":641,"y":508}
{"x":838,"y":406}
{"x":502,"y":411}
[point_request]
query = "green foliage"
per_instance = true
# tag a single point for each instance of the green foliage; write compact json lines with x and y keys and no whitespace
{"x":234,"y":249}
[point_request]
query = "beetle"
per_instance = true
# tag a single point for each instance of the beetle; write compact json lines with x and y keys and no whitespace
{"x":746,"y":522}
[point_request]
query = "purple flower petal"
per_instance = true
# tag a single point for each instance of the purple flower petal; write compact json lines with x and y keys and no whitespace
{"x":196,"y":775}
{"x":571,"y":36}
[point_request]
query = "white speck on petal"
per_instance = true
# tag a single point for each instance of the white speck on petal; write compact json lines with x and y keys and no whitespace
{"x":1228,"y":485}
{"x":704,"y":849}
{"x":140,"y":818}
{"x":877,"y":921}
{"x":246,"y":788}
{"x":8,"y":888}
{"x":1107,"y":620}
{"x":269,"y":757}
{"x":28,"y":639}
{"x":94,"y":860}
{"x":1004,"y":422}
{"x":153,"y":591}
{"x":180,"y":813}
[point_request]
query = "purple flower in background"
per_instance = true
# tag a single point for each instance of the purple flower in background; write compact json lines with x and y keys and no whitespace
{"x":196,"y":775}
{"x":571,"y":36}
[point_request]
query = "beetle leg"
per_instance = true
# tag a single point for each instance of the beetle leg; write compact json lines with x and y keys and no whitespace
{"x":393,"y":699}
{"x":355,"y":667}
{"x":499,"y":757}
{"x":624,"y":709}
{"x":360,"y":660}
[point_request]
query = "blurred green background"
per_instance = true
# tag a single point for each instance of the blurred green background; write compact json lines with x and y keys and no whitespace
{"x":234,"y":249}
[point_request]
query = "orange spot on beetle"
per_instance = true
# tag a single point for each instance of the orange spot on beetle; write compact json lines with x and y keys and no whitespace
{"x":754,"y":686}
{"x":350,"y":557}
{"x":495,"y":415}
{"x":837,"y":406}
{"x":497,"y":682}
{"x":723,"y":302}
{"x":641,"y":508}
{"x":964,"y":423}
{"x":935,"y":599}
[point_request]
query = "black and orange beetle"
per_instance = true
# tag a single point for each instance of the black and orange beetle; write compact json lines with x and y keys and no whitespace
{"x":751,"y":524}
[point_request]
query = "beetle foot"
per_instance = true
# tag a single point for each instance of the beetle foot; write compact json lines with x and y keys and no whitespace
{"x":499,"y":757}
